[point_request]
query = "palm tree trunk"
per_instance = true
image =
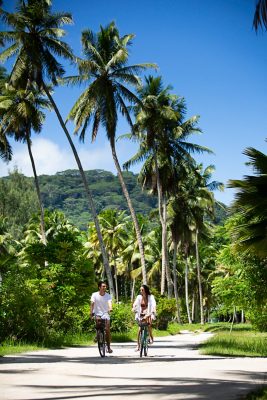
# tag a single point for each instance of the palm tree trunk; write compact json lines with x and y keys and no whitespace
{"x":162,"y":205}
{"x":161,"y":217}
{"x":199,"y":282}
{"x":116,"y":279}
{"x":132,"y":211}
{"x":242,"y":317}
{"x":186,"y":291}
{"x":37,"y":186}
{"x":165,"y":249}
{"x":132,"y":290}
{"x":175,"y":280}
{"x":193,"y":307}
{"x":88,"y":194}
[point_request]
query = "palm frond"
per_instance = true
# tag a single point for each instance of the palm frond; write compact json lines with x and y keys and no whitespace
{"x":260,"y":15}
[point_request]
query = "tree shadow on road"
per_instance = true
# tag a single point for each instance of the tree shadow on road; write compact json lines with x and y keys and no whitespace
{"x":175,"y":388}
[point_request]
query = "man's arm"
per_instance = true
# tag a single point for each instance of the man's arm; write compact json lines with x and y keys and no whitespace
{"x":92,"y":309}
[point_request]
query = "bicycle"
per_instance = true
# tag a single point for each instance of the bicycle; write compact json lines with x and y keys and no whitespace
{"x":101,"y":335}
{"x":144,"y":336}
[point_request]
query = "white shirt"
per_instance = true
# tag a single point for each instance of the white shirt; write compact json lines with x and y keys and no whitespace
{"x":150,"y":305}
{"x":101,"y":303}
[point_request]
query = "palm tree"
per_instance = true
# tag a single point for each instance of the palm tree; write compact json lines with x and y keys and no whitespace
{"x":21,"y":113}
{"x":35,"y":41}
{"x":260,"y":15}
{"x":202,"y":206}
{"x":113,"y":225}
{"x":5,"y":147}
{"x":107,"y":74}
{"x":251,"y":202}
{"x":162,"y":133}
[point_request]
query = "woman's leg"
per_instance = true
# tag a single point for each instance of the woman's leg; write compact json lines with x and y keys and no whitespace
{"x":138,"y":339}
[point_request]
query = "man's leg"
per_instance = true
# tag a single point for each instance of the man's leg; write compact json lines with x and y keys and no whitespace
{"x":108,"y":336}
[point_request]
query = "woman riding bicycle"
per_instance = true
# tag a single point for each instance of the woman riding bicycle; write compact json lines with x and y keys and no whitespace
{"x":144,"y":307}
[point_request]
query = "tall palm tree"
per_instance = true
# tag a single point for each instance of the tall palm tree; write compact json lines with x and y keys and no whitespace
{"x":202,"y":205}
{"x":108,"y":75}
{"x":36,"y":42}
{"x":113,"y":225}
{"x":21,"y":112}
{"x":162,"y":133}
{"x":251,"y":202}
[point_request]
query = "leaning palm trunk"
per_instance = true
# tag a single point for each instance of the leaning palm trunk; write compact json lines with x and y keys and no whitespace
{"x":186,"y":291}
{"x":88,"y":193}
{"x":175,"y":281}
{"x":37,"y":186}
{"x":132,"y":211}
{"x":199,"y":282}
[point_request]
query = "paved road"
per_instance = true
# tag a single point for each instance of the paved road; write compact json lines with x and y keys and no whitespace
{"x":173,"y":370}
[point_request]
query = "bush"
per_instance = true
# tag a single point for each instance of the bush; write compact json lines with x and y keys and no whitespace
{"x":258,"y":318}
{"x":121,"y":318}
{"x":166,"y":310}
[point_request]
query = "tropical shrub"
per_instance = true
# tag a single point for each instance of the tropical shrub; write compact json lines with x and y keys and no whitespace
{"x":166,"y":311}
{"x":122,"y":318}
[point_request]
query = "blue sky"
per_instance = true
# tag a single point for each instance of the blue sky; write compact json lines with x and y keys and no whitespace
{"x":207,"y":50}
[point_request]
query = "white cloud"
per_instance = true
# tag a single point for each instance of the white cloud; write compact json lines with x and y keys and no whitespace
{"x":51,"y":158}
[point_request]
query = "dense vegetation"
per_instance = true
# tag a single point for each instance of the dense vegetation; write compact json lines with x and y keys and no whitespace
{"x":76,"y":229}
{"x":64,"y":192}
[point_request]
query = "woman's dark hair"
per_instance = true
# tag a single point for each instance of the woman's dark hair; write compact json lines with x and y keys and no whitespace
{"x":146,"y":289}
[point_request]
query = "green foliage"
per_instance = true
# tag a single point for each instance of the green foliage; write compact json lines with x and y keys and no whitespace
{"x":46,"y":292}
{"x":166,"y":311}
{"x":64,"y":191}
{"x":18,"y":201}
{"x":121,"y":318}
{"x":236,"y":344}
{"x":250,"y":203}
{"x":260,"y":394}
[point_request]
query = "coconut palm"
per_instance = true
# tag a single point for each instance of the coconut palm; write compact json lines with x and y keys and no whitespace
{"x":251,"y":202}
{"x":203,"y":206}
{"x":21,"y":112}
{"x":106,"y":71}
{"x":162,"y":133}
{"x":113,"y":225}
{"x":36,"y":42}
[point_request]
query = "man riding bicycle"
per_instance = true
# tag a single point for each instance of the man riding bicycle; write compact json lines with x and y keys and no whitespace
{"x":101,"y":306}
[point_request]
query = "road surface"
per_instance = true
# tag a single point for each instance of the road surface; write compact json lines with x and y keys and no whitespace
{"x":174,"y":369}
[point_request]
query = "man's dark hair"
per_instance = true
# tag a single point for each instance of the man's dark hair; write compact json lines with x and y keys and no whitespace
{"x":100,"y":283}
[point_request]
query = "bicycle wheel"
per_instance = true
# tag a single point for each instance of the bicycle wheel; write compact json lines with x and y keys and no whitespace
{"x":143,"y":342}
{"x":101,"y":342}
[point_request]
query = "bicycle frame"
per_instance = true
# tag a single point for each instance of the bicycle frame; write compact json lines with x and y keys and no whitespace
{"x":144,"y":335}
{"x":101,"y":335}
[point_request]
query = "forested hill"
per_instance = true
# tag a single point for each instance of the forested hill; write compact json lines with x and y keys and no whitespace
{"x":65,"y":191}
